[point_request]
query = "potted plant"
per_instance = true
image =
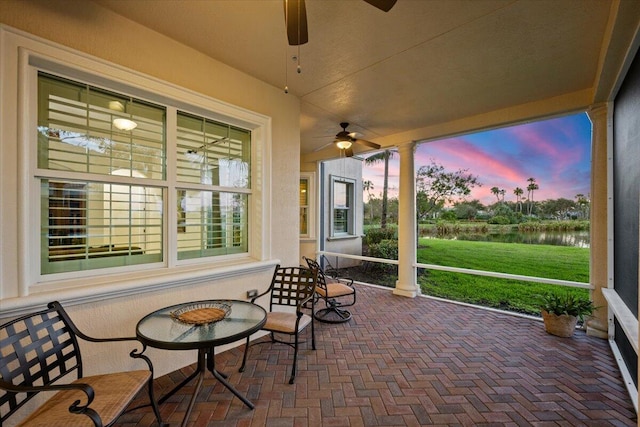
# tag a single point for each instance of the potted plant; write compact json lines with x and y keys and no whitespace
{"x":561,"y":312}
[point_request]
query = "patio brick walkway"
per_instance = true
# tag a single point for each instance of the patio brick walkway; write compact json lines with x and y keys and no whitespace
{"x":413,"y":362}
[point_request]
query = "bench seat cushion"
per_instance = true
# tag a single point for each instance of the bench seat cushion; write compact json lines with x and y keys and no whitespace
{"x":113,"y":393}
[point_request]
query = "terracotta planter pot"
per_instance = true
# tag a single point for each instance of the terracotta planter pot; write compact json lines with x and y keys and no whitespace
{"x":562,"y":326}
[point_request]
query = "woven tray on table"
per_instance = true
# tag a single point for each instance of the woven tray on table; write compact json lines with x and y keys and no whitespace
{"x":201,"y":313}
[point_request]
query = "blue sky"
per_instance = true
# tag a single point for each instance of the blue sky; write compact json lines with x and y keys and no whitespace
{"x":556,"y":152}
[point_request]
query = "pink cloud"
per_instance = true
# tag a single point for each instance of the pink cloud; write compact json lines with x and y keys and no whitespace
{"x":554,"y":152}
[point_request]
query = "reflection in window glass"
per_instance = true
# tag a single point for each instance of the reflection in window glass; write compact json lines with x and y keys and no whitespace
{"x":215,"y":223}
{"x":103,"y":181}
{"x":89,"y":225}
{"x":84,"y":129}
{"x":213,"y":153}
{"x":111,"y":221}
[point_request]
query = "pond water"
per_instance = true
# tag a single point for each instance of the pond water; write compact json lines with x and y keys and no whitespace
{"x":579,"y":239}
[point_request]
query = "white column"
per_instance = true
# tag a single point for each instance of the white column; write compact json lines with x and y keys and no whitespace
{"x":598,"y":114}
{"x":407,"y":284}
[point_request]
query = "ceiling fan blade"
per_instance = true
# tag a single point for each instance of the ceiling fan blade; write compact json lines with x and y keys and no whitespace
{"x":384,"y":5}
{"x":367,"y":143}
{"x":324,"y":146}
{"x":295,"y":17}
{"x":348,"y":152}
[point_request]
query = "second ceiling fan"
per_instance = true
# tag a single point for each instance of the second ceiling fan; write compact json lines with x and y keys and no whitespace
{"x":344,"y":141}
{"x":295,"y":16}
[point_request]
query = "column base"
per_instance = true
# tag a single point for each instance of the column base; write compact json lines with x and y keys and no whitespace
{"x":411,"y":293}
{"x":597,"y":329}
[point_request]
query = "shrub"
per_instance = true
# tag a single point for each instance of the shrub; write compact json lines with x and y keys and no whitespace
{"x":448,"y":216}
{"x":499,"y":219}
{"x":374,"y":236}
{"x":387,"y":249}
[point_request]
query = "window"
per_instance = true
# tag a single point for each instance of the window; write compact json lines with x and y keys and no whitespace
{"x":218,"y":156}
{"x":99,"y":205}
{"x":307,"y":205}
{"x":342,"y":206}
{"x":102,"y":168}
{"x":304,"y":206}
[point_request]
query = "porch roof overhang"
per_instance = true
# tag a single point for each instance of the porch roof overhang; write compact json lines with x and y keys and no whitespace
{"x":424,"y":70}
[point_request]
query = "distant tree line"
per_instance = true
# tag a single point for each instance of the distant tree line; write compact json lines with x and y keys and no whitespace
{"x":441,"y":195}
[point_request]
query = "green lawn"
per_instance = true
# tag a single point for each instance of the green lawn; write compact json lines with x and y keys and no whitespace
{"x":556,"y":262}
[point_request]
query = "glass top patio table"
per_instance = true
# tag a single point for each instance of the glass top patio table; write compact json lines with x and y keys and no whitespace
{"x":160,"y":330}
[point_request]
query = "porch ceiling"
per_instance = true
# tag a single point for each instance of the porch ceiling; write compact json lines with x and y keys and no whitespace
{"x":406,"y":74}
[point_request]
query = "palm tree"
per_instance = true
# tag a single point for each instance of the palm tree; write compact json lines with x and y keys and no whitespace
{"x":583,"y":204}
{"x":518,"y":192}
{"x":496,"y":192}
{"x":368,"y":187}
{"x":382,"y":156}
{"x":530,"y":189}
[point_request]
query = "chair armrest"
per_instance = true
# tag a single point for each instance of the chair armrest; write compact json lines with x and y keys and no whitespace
{"x":111,"y":339}
{"x":253,"y":300}
{"x":56,"y":305}
{"x":346,"y":280}
{"x":85,"y":388}
{"x":75,"y":408}
{"x":303,"y":304}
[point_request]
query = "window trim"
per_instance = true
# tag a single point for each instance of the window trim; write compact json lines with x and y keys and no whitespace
{"x":351,"y":214}
{"x":311,"y":206}
{"x":22,"y":56}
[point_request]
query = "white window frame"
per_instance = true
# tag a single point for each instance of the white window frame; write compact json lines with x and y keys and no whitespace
{"x":351,"y":214}
{"x":312,"y":225}
{"x":22,"y":56}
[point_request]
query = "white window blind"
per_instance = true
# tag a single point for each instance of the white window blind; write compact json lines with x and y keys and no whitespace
{"x":113,"y":220}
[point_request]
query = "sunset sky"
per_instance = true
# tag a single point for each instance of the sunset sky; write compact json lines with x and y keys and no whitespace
{"x":556,"y":152}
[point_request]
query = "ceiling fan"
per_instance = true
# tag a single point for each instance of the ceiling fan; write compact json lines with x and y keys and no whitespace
{"x":295,"y":16}
{"x":344,"y":141}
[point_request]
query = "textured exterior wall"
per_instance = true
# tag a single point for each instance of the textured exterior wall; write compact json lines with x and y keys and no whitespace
{"x":90,"y":29}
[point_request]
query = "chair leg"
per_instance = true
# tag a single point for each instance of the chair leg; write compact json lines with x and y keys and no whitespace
{"x":244,"y":358}
{"x":313,"y":334}
{"x":154,"y":404}
{"x":295,"y":361}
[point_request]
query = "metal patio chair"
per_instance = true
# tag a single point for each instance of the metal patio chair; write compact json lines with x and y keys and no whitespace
{"x":39,"y":349}
{"x":336,"y":292}
{"x":291,"y":288}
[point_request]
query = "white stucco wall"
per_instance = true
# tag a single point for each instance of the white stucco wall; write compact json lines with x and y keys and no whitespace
{"x":350,"y":168}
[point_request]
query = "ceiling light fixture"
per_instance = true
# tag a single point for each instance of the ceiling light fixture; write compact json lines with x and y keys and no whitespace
{"x":124,"y":124}
{"x":343,"y":144}
{"x":116,"y":106}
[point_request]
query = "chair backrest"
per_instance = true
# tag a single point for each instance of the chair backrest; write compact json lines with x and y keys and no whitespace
{"x":292,"y":286}
{"x":314,"y":265}
{"x":36,"y":349}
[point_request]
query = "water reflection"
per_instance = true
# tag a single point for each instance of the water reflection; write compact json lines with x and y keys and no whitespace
{"x":579,"y":239}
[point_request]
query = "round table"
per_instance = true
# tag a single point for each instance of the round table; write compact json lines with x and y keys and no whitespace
{"x":161,"y":329}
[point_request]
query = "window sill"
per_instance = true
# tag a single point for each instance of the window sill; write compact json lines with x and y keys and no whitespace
{"x":122,"y":285}
{"x":346,"y":237}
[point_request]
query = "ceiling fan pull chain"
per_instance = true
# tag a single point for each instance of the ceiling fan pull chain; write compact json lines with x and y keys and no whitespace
{"x":286,"y":22}
{"x":286,"y":73}
{"x":299,"y":69}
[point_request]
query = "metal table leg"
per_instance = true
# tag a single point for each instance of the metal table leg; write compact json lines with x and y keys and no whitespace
{"x":222,"y":378}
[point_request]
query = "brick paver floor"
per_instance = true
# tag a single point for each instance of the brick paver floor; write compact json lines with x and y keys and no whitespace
{"x":413,"y":362}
